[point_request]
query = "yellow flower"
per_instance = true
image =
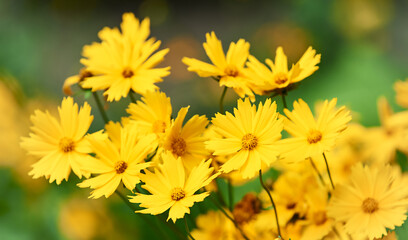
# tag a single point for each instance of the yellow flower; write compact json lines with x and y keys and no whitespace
{"x":187,"y":142}
{"x":249,"y":137}
{"x":123,"y":61}
{"x":215,"y":226}
{"x":171,"y":188}
{"x":280,"y":77}
{"x":60,"y":144}
{"x":401,"y":89}
{"x":310,"y":136}
{"x":66,"y":88}
{"x":229,"y":69}
{"x":374,"y":199}
{"x":117,"y":163}
{"x":153,"y":114}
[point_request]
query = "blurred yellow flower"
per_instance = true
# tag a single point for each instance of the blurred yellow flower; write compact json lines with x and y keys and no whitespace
{"x":66,"y":88}
{"x":215,"y":226}
{"x":117,"y":163}
{"x":373,"y":200}
{"x":249,"y":137}
{"x":401,"y":89}
{"x":171,"y":188}
{"x":187,"y":142}
{"x":280,"y":77}
{"x":123,"y":61}
{"x":60,"y":144}
{"x":228,"y":69}
{"x":310,"y":136}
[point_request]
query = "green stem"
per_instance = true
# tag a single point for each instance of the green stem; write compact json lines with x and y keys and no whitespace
{"x":222,"y":100}
{"x":187,"y":229}
{"x":100,"y":107}
{"x":219,"y":195}
{"x":317,"y":171}
{"x":273,"y":203}
{"x":132,"y":96}
{"x":328,"y":170}
{"x":284,"y":100}
{"x":230,"y":195}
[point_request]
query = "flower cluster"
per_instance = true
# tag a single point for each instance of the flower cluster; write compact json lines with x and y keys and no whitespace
{"x":336,"y":180}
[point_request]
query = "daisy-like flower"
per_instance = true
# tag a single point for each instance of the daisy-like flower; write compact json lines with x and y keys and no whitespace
{"x":249,"y":137}
{"x":123,"y":61}
{"x":117,"y":163}
{"x":313,"y":137}
{"x":215,"y":226}
{"x":60,"y":144}
{"x":187,"y":142}
{"x":373,"y":200}
{"x":171,"y":188}
{"x":401,"y":89}
{"x":152,"y":114}
{"x":228,"y":69}
{"x":280,"y":77}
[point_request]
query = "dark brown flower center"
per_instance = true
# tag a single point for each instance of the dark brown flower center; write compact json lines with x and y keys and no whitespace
{"x":120,"y":167}
{"x":281,"y":78}
{"x":314,"y":136}
{"x":249,"y":142}
{"x":320,"y":217}
{"x":231,"y":71}
{"x":66,"y":145}
{"x":127,"y":73}
{"x":178,"y":146}
{"x":370,"y":205}
{"x":177,"y":194}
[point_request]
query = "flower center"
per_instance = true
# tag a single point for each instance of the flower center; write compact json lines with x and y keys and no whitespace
{"x":314,"y":136}
{"x":369,"y":205}
{"x":83,"y":73}
{"x":249,"y":142}
{"x":178,"y":146}
{"x":159,"y":126}
{"x":320,"y":217}
{"x":231,"y":71}
{"x":281,"y":78}
{"x":177,"y":194}
{"x":127,"y":73}
{"x":66,"y":145}
{"x":120,"y":167}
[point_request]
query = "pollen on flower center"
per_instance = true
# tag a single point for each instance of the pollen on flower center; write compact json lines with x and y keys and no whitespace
{"x":120,"y":167}
{"x":281,"y":78}
{"x":249,"y":142}
{"x":231,"y":71}
{"x":178,"y":146}
{"x":370,"y":205}
{"x":320,"y":217}
{"x":67,"y":145}
{"x":177,"y":194}
{"x":159,"y":126}
{"x":314,"y":136}
{"x":127,"y":73}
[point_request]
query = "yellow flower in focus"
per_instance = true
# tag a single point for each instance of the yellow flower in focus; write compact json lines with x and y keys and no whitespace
{"x":152,"y":114}
{"x":60,"y":144}
{"x":228,"y":69}
{"x":280,"y":77}
{"x":373,"y":200}
{"x":249,"y":137}
{"x":401,"y":89}
{"x":187,"y":142}
{"x":117,"y":163}
{"x":171,"y":188}
{"x":123,"y":61}
{"x":215,"y":226}
{"x":310,"y":136}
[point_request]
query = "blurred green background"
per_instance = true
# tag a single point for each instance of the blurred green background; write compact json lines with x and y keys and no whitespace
{"x":364,"y":47}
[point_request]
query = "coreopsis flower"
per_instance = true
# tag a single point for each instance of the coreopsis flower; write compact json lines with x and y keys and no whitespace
{"x":373,"y":200}
{"x":60,"y":143}
{"x":124,"y":61}
{"x":171,"y":188}
{"x":228,"y":69}
{"x":187,"y":142}
{"x":249,"y":137}
{"x":280,"y":77}
{"x":116,"y":163}
{"x":311,"y":136}
{"x":215,"y":226}
{"x":401,"y":89}
{"x":152,"y":114}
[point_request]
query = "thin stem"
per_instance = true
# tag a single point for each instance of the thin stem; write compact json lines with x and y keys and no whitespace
{"x":222,"y":100}
{"x":317,"y":171}
{"x":187,"y":229}
{"x":284,"y":100}
{"x":328,"y":170}
{"x":219,"y":195}
{"x":100,"y":107}
{"x":230,"y":195}
{"x":273,"y":203}
{"x":132,"y":96}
